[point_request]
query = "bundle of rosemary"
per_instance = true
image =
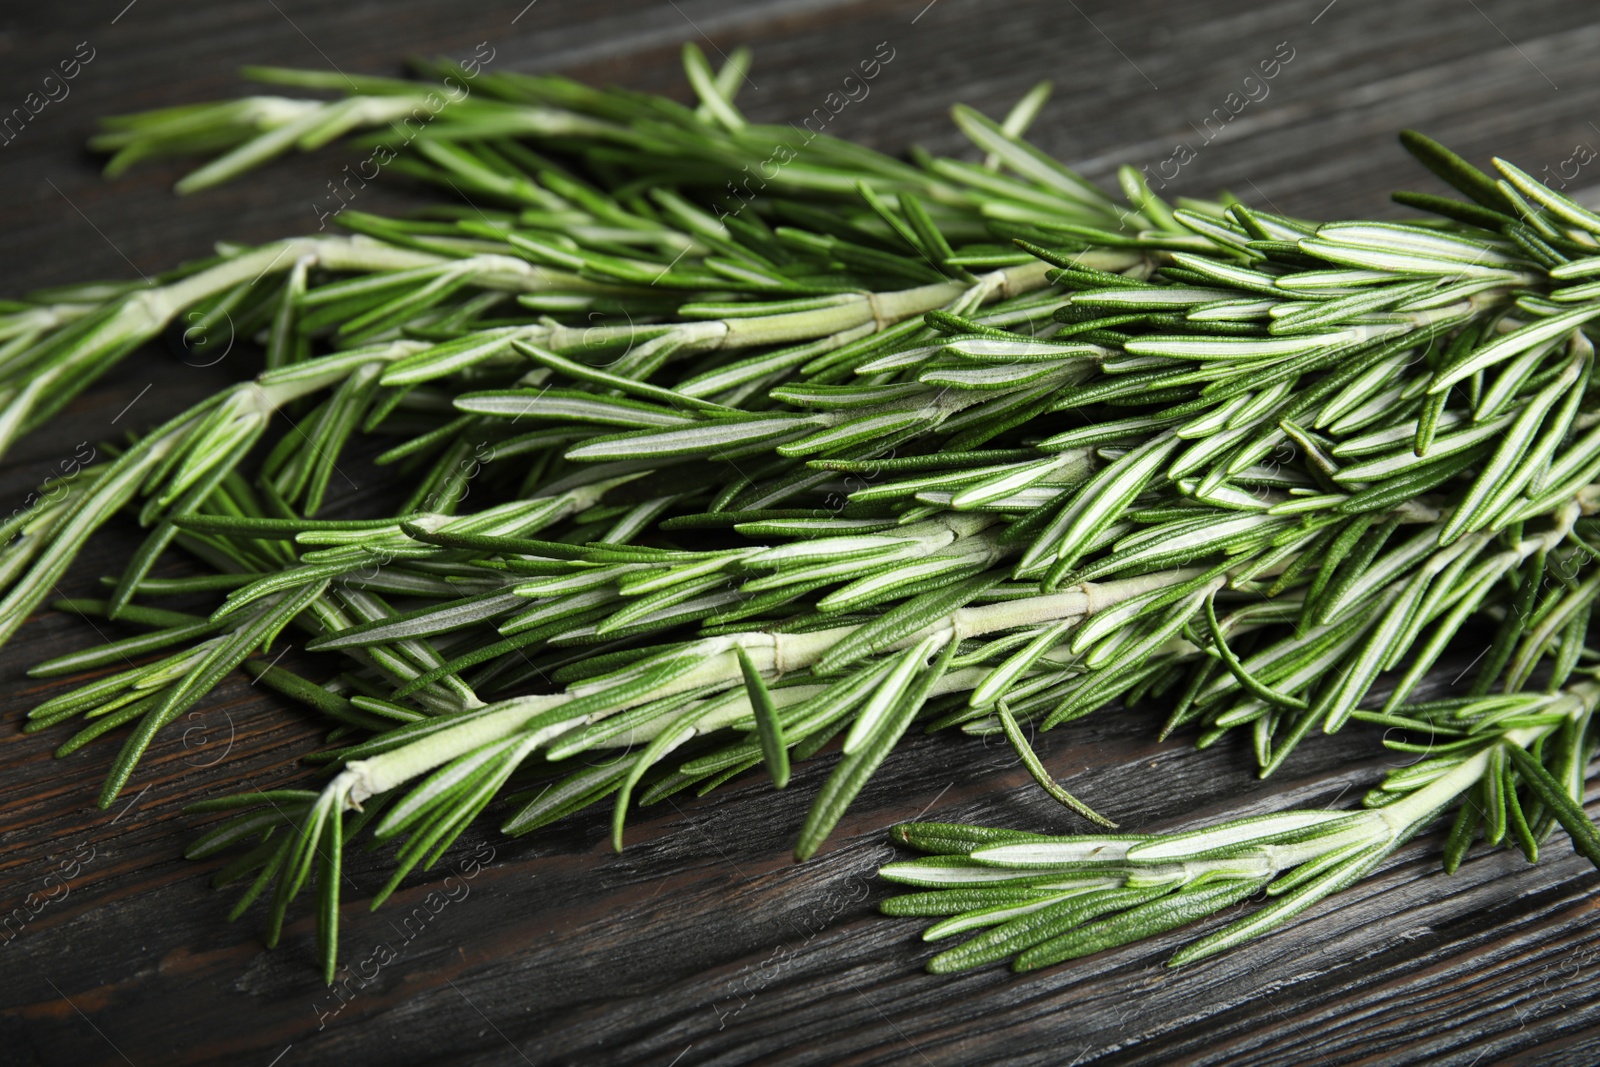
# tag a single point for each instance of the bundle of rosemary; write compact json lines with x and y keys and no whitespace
{"x":832,"y":447}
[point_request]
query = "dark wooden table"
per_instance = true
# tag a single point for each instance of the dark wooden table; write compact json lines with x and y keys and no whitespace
{"x":703,"y":942}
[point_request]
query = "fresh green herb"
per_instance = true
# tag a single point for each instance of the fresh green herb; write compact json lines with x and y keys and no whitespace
{"x":869,"y":446}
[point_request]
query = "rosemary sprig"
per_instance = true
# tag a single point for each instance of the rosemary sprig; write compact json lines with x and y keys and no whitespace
{"x":1040,"y":900}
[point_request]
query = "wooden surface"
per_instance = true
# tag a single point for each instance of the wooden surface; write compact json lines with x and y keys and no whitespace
{"x":703,"y":942}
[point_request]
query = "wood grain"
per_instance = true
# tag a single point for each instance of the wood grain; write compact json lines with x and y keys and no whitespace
{"x":703,"y":942}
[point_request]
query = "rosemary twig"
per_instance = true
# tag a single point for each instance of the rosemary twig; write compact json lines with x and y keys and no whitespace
{"x":1041,"y":900}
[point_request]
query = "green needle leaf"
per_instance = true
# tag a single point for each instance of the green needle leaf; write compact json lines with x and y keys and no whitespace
{"x":768,"y":725}
{"x":1030,"y":760}
{"x":1237,"y":668}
